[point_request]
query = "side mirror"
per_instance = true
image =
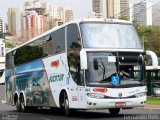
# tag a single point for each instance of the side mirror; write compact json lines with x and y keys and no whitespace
{"x":83,"y":59}
{"x":95,"y":64}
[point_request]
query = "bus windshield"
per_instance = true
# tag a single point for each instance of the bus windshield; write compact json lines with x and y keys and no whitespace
{"x":107,"y":35}
{"x":102,"y":67}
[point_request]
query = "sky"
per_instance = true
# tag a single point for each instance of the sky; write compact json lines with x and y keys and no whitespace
{"x":80,"y":7}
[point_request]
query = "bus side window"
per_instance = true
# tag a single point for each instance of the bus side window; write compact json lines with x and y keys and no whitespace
{"x":76,"y":72}
{"x":58,"y":40}
{"x":48,"y":46}
{"x":73,"y":50}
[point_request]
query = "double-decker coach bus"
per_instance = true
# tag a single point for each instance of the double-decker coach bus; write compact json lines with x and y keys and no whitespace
{"x":153,"y":80}
{"x":83,"y":64}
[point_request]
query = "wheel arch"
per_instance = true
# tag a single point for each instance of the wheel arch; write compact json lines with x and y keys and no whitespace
{"x":61,"y":96}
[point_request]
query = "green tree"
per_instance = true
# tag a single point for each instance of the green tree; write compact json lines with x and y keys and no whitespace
{"x":8,"y":44}
{"x":123,"y":17}
{"x":143,"y":31}
{"x":150,"y":37}
{"x":153,"y":40}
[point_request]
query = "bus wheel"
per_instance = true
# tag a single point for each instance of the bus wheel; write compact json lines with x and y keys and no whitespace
{"x":114,"y":111}
{"x":22,"y":104}
{"x":18,"y":106}
{"x":65,"y":105}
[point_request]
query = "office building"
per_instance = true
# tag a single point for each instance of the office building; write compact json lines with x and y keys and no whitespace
{"x":124,"y":9}
{"x":2,"y":24}
{"x":156,"y":15}
{"x":11,"y":20}
{"x":19,"y":22}
{"x":131,"y":12}
{"x":69,"y":15}
{"x":117,"y":9}
{"x":34,"y":24}
{"x":142,"y":13}
{"x":97,"y":7}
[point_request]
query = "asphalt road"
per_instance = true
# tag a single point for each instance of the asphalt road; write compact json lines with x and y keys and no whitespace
{"x":9,"y":113}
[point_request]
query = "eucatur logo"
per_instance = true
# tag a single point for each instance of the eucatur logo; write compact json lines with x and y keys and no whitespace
{"x":102,"y":90}
{"x":55,"y":63}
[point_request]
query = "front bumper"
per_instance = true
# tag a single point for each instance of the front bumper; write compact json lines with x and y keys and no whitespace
{"x":93,"y":103}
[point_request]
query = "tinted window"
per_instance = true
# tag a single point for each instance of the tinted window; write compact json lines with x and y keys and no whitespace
{"x":73,"y":49}
{"x":48,"y":48}
{"x":48,"y":45}
{"x":58,"y":38}
{"x":28,"y":52}
{"x":40,"y":48}
{"x":73,"y":39}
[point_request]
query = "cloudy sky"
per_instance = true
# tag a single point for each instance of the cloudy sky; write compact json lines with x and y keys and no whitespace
{"x":81,"y":7}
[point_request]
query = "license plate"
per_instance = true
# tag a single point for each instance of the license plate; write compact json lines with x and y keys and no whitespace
{"x":118,"y":104}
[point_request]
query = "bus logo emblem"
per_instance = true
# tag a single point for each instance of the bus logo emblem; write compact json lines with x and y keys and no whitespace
{"x":102,"y":90}
{"x":55,"y":63}
{"x":120,"y":94}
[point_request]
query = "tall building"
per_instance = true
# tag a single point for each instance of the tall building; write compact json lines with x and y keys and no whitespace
{"x":19,"y":22}
{"x":34,"y":24}
{"x":36,"y":5}
{"x":53,"y":14}
{"x":110,"y":8}
{"x":15,"y":18}
{"x":35,"y":18}
{"x":97,"y":7}
{"x":156,"y":15}
{"x":69,"y":15}
{"x":117,"y":9}
{"x":142,"y":13}
{"x":2,"y":24}
{"x":131,"y":12}
{"x":124,"y":9}
{"x":11,"y":20}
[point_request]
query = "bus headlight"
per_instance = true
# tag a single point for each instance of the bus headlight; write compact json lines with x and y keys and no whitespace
{"x":140,"y":95}
{"x":95,"y":95}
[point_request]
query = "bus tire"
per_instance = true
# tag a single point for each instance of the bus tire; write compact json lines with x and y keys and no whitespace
{"x":18,"y":106}
{"x":65,"y":104}
{"x":114,"y":111}
{"x":22,"y":104}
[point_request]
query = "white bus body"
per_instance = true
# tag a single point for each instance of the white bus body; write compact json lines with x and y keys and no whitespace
{"x":2,"y":61}
{"x":153,"y":80}
{"x":2,"y":76}
{"x":83,"y":64}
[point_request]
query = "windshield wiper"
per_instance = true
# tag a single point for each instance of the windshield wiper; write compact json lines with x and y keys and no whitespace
{"x":104,"y":69}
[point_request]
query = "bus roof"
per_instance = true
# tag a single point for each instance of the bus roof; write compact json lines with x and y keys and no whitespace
{"x":76,"y":21}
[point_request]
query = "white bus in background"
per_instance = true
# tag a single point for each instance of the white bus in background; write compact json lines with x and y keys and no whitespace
{"x":2,"y":62}
{"x":2,"y":76}
{"x":83,"y":64}
{"x":153,"y":80}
